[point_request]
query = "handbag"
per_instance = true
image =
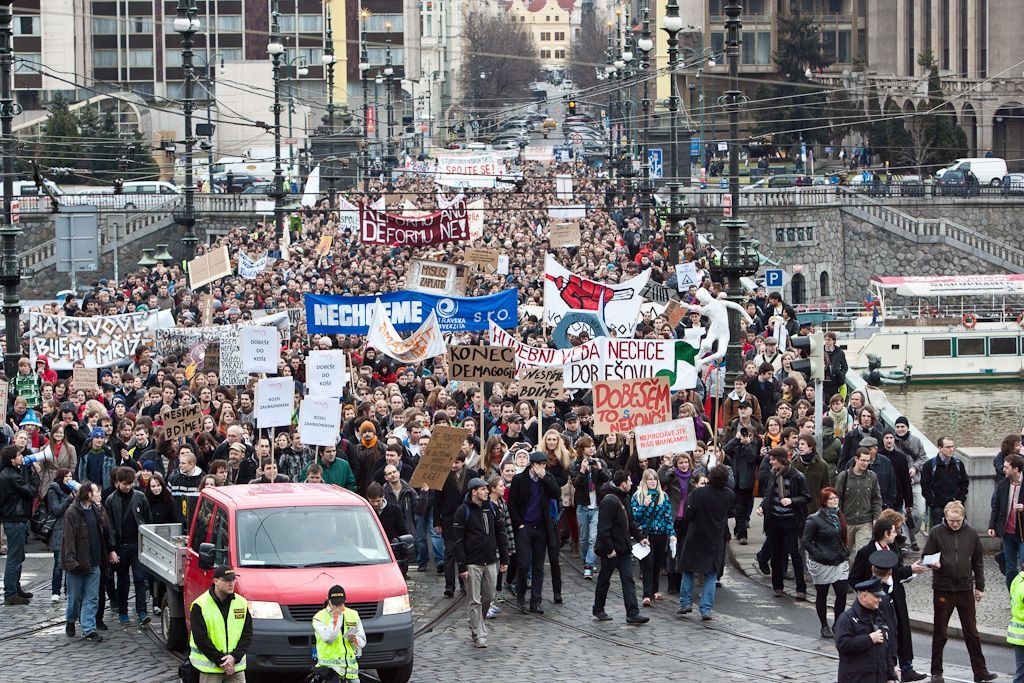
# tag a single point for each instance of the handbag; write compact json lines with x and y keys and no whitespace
{"x":188,"y":673}
{"x":43,"y":522}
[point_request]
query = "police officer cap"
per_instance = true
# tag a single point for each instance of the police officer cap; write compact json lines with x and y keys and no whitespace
{"x":222,"y":571}
{"x":537,"y":456}
{"x":884,"y":559}
{"x":475,"y":483}
{"x":336,"y":595}
{"x":872,"y":585}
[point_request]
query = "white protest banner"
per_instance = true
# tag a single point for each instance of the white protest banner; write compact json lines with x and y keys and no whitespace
{"x":541,"y":357}
{"x":319,"y":420}
{"x":563,"y":186}
{"x":97,"y":341}
{"x":476,"y":219}
{"x":433,"y":277}
{"x":231,"y":372}
{"x":686,"y":275}
{"x":248,"y":269}
{"x":326,"y":373}
{"x":622,"y":405}
{"x":503,"y":263}
{"x":618,"y":305}
{"x":618,"y":359}
{"x":348,"y":216}
{"x":473,"y":169}
{"x":260,"y":348}
{"x":568,"y":211}
{"x":275,"y":402}
{"x":665,"y":438}
{"x":424,"y":343}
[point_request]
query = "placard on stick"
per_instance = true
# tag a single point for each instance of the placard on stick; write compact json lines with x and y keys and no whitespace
{"x":485,"y":259}
{"x":565,"y":235}
{"x":3,"y":403}
{"x":539,"y":384}
{"x":482,"y":363}
{"x":436,"y":461}
{"x":665,"y":438}
{"x":211,"y":357}
{"x":674,"y":312}
{"x":84,"y":379}
{"x":208,"y":268}
{"x":621,"y":405}
{"x":180,"y":422}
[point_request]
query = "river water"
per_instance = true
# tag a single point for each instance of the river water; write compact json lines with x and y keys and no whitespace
{"x":973,"y":414}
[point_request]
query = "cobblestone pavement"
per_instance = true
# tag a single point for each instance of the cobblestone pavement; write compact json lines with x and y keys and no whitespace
{"x":565,"y":644}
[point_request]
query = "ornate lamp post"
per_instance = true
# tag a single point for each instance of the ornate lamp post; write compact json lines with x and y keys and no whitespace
{"x":364,"y":70}
{"x":672,"y":25}
{"x":645,"y":44}
{"x":186,"y":24}
{"x":275,"y":48}
{"x":10,"y":268}
{"x":389,"y":74}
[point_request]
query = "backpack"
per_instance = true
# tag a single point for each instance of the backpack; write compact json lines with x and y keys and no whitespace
{"x":933,"y":463}
{"x":43,"y":521}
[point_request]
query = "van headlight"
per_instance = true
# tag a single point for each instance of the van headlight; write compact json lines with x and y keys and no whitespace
{"x":398,"y":604}
{"x":265,"y":610}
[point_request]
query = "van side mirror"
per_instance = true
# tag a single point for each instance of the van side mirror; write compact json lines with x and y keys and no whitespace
{"x":206,"y":552}
{"x":403,"y":547}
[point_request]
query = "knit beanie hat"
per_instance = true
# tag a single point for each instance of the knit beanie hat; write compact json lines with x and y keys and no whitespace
{"x":368,"y":425}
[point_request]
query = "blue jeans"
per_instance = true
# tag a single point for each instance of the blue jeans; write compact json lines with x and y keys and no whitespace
{"x":586,"y":518}
{"x":17,"y":534}
{"x":425,"y":530}
{"x":1013,"y":554}
{"x":1018,"y":655}
{"x":57,"y":578}
{"x":128,"y":553}
{"x":83,"y":599}
{"x":707,"y":596}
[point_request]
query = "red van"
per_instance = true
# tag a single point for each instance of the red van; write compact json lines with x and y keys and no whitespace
{"x":288,"y":543}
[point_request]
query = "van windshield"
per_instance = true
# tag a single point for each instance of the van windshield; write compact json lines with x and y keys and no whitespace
{"x":319,"y":536}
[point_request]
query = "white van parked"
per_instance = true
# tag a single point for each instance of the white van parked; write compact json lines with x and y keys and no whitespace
{"x":988,"y":171}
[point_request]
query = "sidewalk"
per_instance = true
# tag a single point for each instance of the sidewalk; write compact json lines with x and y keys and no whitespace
{"x":993,"y":610}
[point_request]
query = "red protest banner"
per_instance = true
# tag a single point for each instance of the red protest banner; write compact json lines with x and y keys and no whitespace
{"x":621,"y":405}
{"x":447,"y":225}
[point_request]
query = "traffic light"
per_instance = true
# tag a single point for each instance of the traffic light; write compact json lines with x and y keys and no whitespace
{"x":814,"y":347}
{"x":572,"y":107}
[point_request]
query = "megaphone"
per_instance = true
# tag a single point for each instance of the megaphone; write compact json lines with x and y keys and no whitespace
{"x":41,"y":456}
{"x":74,"y":485}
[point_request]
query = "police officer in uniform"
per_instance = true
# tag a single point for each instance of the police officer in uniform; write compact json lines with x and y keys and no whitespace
{"x":862,"y":636}
{"x":888,"y":567}
{"x":339,"y":636}
{"x":221,"y":631}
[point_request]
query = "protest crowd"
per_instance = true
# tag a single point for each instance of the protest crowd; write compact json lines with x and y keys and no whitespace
{"x":537,"y":482}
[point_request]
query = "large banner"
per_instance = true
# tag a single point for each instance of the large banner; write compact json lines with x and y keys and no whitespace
{"x":98,"y":341}
{"x":447,"y":225}
{"x":461,"y":169}
{"x":249,"y":269}
{"x":328,"y":314}
{"x":424,"y":343}
{"x":618,"y":305}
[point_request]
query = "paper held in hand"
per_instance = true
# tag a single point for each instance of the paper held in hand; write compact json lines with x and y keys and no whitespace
{"x":640,"y":551}
{"x":930,"y":560}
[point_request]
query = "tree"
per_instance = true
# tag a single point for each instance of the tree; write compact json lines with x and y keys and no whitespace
{"x":59,"y":145}
{"x":790,"y":107}
{"x":845,"y":114}
{"x":946,"y":140}
{"x":501,"y":63}
{"x":588,"y":52}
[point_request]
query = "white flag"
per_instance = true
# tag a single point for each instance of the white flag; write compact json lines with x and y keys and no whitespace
{"x":424,"y":343}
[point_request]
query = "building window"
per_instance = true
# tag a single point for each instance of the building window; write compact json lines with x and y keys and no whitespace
{"x":911,"y":55}
{"x":799,"y":289}
{"x":545,"y":54}
{"x":172,"y":58}
{"x":843,"y":55}
{"x":717,"y":42}
{"x":229,"y":23}
{"x":559,"y":54}
{"x":104,"y":58}
{"x":828,"y":45}
{"x":231,"y":54}
{"x":27,"y":63}
{"x":982,"y":38}
{"x":545,"y":35}
{"x":823,"y":285}
{"x":963,"y":47}
{"x":560,"y":35}
{"x":314,"y":23}
{"x":377,"y":55}
{"x":26,"y":26}
{"x":104,"y":26}
{"x":748,"y":45}
{"x":944,"y":33}
{"x":140,"y":57}
{"x":140,"y":25}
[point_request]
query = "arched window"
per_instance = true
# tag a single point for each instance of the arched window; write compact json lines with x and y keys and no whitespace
{"x":799,"y":289}
{"x":823,"y":285}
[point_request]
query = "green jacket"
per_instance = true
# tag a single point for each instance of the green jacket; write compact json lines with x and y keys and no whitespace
{"x":28,"y":387}
{"x":817,"y":475}
{"x":338,"y":473}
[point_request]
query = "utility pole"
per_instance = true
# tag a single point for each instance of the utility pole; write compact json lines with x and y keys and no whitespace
{"x":328,"y":60}
{"x":275,"y":48}
{"x":186,"y":24}
{"x":672,"y":25}
{"x":10,"y":272}
{"x":364,"y":69}
{"x":645,"y":45}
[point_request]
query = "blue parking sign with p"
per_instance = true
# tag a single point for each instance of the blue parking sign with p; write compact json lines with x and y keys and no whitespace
{"x":773,"y":278}
{"x":655,"y":161}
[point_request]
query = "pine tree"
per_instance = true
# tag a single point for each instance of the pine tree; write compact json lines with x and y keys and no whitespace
{"x":59,"y":145}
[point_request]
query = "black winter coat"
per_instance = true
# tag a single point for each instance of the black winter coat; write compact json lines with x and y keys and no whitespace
{"x":18,"y":488}
{"x":58,"y":500}
{"x":581,"y":485}
{"x":707,"y":528}
{"x":942,"y":483}
{"x":449,"y":498}
{"x":822,"y":541}
{"x":901,"y":466}
{"x":744,"y":459}
{"x":795,"y":489}
{"x":615,"y":526}
{"x":74,"y":550}
{"x":519,"y":501}
{"x":479,"y":535}
{"x":1000,"y":510}
{"x":861,"y":660}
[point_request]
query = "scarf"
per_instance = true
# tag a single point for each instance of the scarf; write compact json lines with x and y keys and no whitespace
{"x":369,"y":443}
{"x":780,"y":482}
{"x":773,"y":441}
{"x":832,"y":514}
{"x":684,"y":488}
{"x":839,"y":417}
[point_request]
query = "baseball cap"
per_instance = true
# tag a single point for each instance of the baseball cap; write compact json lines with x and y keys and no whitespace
{"x":336,"y":595}
{"x":222,"y":571}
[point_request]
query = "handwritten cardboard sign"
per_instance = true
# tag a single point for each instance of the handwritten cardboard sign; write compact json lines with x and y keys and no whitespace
{"x":485,"y":259}
{"x":565,"y":235}
{"x":84,"y":379}
{"x":656,"y":292}
{"x":180,"y":422}
{"x":434,"y":277}
{"x":3,"y":404}
{"x":538,"y":384}
{"x":208,"y":268}
{"x":665,"y":438}
{"x":436,"y":461}
{"x":211,"y":357}
{"x":482,"y":363}
{"x":674,"y":312}
{"x":622,"y":405}
{"x":206,"y":310}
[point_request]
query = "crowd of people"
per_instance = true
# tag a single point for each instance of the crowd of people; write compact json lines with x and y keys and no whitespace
{"x":540,"y":484}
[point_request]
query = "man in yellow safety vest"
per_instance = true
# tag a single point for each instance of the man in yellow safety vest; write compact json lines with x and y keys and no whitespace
{"x":339,"y":636}
{"x":221,"y":631}
{"x":1015,"y":631}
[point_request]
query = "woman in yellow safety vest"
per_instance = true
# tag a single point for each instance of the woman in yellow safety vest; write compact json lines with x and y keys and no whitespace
{"x":221,"y":630}
{"x":339,"y":636}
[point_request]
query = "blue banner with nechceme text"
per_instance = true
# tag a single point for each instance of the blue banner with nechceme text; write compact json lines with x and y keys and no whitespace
{"x":330,"y":314}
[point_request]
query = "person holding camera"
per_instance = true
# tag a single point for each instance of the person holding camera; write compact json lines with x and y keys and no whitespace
{"x":862,"y":638}
{"x":340,"y":637}
{"x":744,"y":451}
{"x":588,"y":476}
{"x":19,"y":484}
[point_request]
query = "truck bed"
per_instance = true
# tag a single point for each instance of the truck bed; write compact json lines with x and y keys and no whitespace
{"x":162,"y":551}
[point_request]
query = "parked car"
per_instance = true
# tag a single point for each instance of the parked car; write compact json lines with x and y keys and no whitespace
{"x":957,"y":183}
{"x":239,"y":182}
{"x":579,"y":118}
{"x":1013,"y":184}
{"x":258,"y":188}
{"x":988,"y":171}
{"x":912,"y":186}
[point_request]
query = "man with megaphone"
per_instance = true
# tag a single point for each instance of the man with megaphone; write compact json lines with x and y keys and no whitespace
{"x":19,"y":483}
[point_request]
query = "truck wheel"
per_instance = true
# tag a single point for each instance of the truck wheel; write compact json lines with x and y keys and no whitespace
{"x":174,"y":632}
{"x":400,"y":674}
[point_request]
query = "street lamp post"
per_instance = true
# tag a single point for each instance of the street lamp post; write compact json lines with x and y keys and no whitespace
{"x":389,"y":73}
{"x":10,"y":272}
{"x":645,"y":44}
{"x":186,"y":24}
{"x":328,"y":61}
{"x":364,"y":70}
{"x":672,"y":25}
{"x":739,"y":258}
{"x":275,"y":48}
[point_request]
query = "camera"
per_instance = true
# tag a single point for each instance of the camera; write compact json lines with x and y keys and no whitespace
{"x":594,"y":462}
